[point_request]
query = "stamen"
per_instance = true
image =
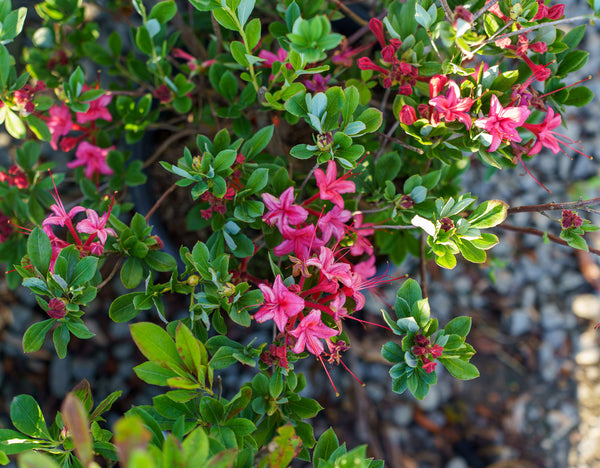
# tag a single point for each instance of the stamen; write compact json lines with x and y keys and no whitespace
{"x":565,"y":87}
{"x":352,"y":374}
{"x":328,"y":376}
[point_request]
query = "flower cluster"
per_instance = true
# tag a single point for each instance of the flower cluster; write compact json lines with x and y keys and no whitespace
{"x":93,"y":225}
{"x":426,"y":352}
{"x":87,"y":154}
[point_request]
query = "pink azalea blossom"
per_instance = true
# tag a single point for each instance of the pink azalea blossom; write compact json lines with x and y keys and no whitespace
{"x":329,"y":268}
{"x":502,"y":122}
{"x":318,"y":83}
{"x":452,"y":107}
{"x":300,"y":241}
{"x":280,"y":304}
{"x":93,"y":158}
{"x":60,"y":123}
{"x":545,"y":136}
{"x":96,"y":226}
{"x":338,"y":311}
{"x":309,"y":332}
{"x":333,"y":224}
{"x":98,"y":109}
{"x":60,"y":217}
{"x":282,"y":211}
{"x":330,"y":187}
{"x":361,"y":244}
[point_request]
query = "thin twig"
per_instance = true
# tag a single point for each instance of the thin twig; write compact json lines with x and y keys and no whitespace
{"x":554,"y":206}
{"x":111,"y":274}
{"x":447,"y":9}
{"x":537,"y":232}
{"x":423,"y":265}
{"x":353,"y":16}
{"x":159,"y":201}
{"x":401,"y":143}
{"x":388,"y":135}
{"x":518,"y":32}
{"x":167,"y":144}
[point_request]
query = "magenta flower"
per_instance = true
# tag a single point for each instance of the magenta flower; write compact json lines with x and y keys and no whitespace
{"x":96,"y":226}
{"x":282,"y":211}
{"x":452,"y":107}
{"x":300,"y":241}
{"x":407,"y":115}
{"x":98,"y":109}
{"x":361,"y":244}
{"x":318,"y":83}
{"x":60,"y":217}
{"x":269,"y":58}
{"x":333,"y":224}
{"x":93,"y":158}
{"x":545,"y":136}
{"x":280,"y":304}
{"x":502,"y":123}
{"x":338,"y":311}
{"x":309,"y":332}
{"x":329,"y":268}
{"x":60,"y":123}
{"x":330,"y":187}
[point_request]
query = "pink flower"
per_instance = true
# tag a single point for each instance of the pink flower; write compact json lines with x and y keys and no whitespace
{"x":329,"y":268}
{"x":309,"y":332}
{"x":300,"y":241}
{"x":570,"y":219}
{"x":280,"y":304}
{"x":428,"y":366}
{"x":282,"y":211}
{"x":98,"y":109}
{"x":332,"y":223}
{"x":60,"y":123}
{"x":361,"y":244}
{"x":93,"y":158}
{"x":338,"y":311}
{"x":545,"y":136}
{"x":330,"y":187}
{"x":502,"y":123}
{"x":60,"y":217}
{"x":452,"y":107}
{"x":436,"y":84}
{"x":318,"y":83}
{"x":270,"y":58}
{"x":95,"y":226}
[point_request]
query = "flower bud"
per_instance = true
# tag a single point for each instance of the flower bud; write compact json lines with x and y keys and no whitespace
{"x":407,"y":115}
{"x":193,"y":280}
{"x":56,"y":308}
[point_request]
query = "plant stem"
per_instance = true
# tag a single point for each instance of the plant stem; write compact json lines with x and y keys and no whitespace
{"x":447,"y":9}
{"x":542,"y":25}
{"x":483,"y":9}
{"x":159,"y":201}
{"x":400,"y":142}
{"x":537,"y":232}
{"x":554,"y":206}
{"x":423,"y":265}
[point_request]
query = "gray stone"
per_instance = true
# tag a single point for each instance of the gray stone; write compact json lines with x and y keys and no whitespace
{"x":457,"y":462}
{"x":432,"y":400}
{"x":60,"y":376}
{"x":402,"y":414}
{"x":520,"y":322}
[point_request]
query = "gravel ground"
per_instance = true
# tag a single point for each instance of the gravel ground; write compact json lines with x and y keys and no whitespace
{"x":534,"y":307}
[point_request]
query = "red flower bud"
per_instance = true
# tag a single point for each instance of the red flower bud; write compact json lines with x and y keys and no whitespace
{"x":56,"y":308}
{"x":407,"y":115}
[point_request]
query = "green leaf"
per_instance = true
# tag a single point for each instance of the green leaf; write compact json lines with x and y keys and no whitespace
{"x":238,"y":51}
{"x":4,"y":66}
{"x":160,"y":261}
{"x":244,"y":10}
{"x":80,"y":330}
{"x":458,"y":326}
{"x":327,"y":444}
{"x":27,"y":417}
{"x":35,"y":335}
{"x":458,"y":368}
{"x":579,"y":96}
{"x":372,"y":119}
{"x":225,"y":19}
{"x":195,"y":448}
{"x":258,"y":142}
{"x":410,"y":292}
{"x":36,"y":460}
{"x":154,"y":374}
{"x":132,"y":272}
{"x":61,"y":338}
{"x":14,"y":125}
{"x":163,"y":11}
{"x":38,"y":127}
{"x":470,"y":252}
{"x":573,"y":61}
{"x":84,"y":271}
{"x":156,"y":344}
{"x":122,"y":308}
{"x":488,"y":214}
{"x":39,"y":250}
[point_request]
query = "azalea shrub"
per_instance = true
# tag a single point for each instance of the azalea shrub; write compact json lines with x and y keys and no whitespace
{"x":316,"y":146}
